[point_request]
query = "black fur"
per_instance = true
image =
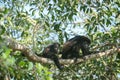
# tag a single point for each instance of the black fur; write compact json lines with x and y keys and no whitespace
{"x":51,"y":51}
{"x":72,"y":47}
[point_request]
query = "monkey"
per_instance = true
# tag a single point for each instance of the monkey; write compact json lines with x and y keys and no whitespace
{"x":50,"y":52}
{"x":72,"y":47}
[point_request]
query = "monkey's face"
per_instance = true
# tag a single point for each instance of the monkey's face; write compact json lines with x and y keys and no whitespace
{"x":56,"y":47}
{"x":85,"y":45}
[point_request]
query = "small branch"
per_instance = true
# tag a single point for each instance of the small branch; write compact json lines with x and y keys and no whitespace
{"x":34,"y":58}
{"x":107,"y":44}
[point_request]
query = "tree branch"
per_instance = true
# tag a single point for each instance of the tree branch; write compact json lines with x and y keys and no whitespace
{"x":15,"y":46}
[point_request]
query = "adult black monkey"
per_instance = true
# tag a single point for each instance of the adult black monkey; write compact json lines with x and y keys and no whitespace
{"x":72,"y":47}
{"x":50,"y":52}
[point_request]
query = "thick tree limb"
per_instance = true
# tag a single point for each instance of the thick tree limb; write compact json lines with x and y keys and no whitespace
{"x":15,"y":46}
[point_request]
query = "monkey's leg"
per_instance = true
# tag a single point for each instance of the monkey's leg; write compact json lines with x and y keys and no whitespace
{"x":85,"y":49}
{"x":56,"y":61}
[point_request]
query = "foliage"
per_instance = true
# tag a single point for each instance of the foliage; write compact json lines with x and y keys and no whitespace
{"x":38,"y":23}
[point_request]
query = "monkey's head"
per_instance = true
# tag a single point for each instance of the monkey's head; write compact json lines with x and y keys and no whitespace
{"x":53,"y":48}
{"x":82,"y":39}
{"x":56,"y":47}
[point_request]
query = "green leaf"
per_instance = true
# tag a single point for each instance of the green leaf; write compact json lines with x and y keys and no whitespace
{"x":108,"y":22}
{"x":61,"y":37}
{"x":22,"y":63}
{"x":53,"y":17}
{"x":65,"y":34}
{"x":103,"y":21}
{"x":87,"y":10}
{"x":87,"y":25}
{"x":22,"y":34}
{"x":95,"y":29}
{"x":84,"y":8}
{"x":1,"y":15}
{"x":30,"y":66}
{"x":7,"y":53}
{"x":47,"y":23}
{"x":2,"y":30}
{"x":33,"y":12}
{"x":90,"y":10}
{"x":93,"y":18}
{"x":5,"y":11}
{"x":10,"y":61}
{"x":70,"y":16}
{"x":31,"y":9}
{"x":56,"y":26}
{"x":54,"y":1}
